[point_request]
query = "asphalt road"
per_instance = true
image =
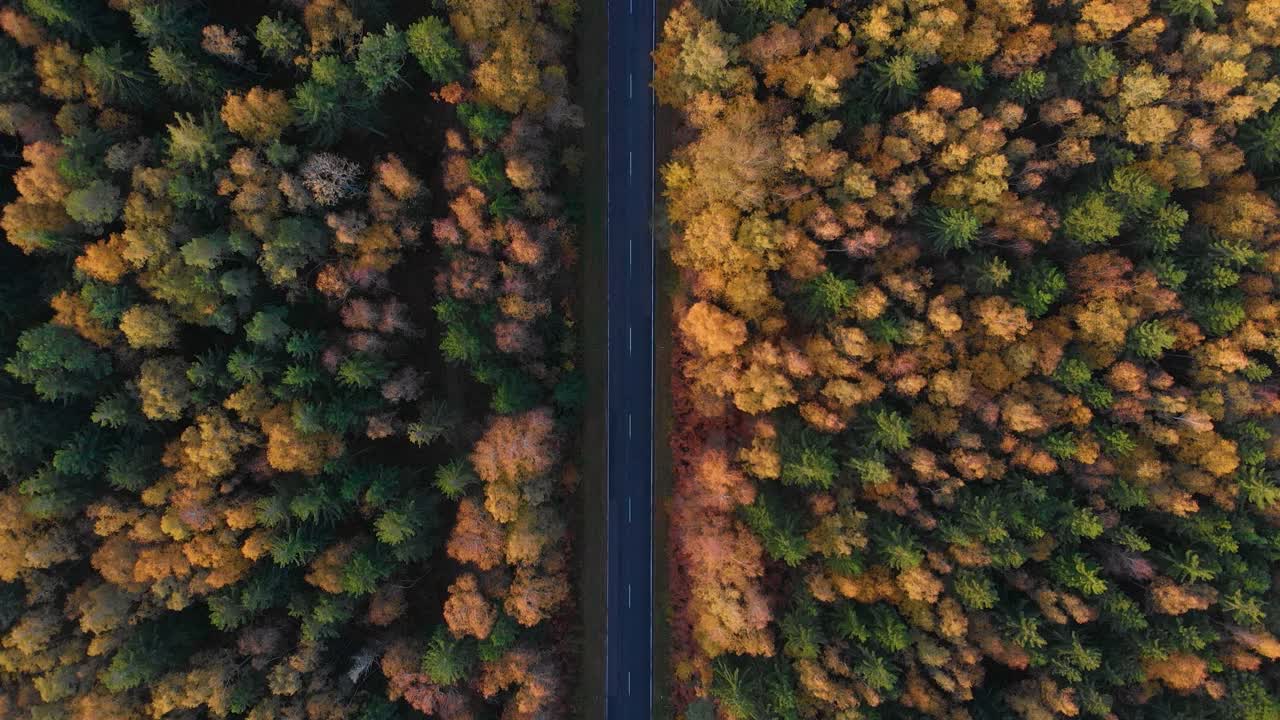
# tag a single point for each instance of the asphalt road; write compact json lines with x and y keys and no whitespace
{"x":629,"y":594}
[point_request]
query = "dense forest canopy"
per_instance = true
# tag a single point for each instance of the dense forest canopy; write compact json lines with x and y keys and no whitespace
{"x":976,"y":402}
{"x":251,"y":465}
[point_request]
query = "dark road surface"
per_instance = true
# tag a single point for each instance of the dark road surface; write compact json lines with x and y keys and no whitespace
{"x":629,"y":668}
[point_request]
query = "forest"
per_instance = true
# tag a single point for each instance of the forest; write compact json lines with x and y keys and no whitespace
{"x":977,"y":329}
{"x":291,"y":374}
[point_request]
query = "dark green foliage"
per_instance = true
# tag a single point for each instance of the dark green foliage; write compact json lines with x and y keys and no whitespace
{"x":1218,"y":315}
{"x":504,"y":206}
{"x":1197,"y":12}
{"x":279,"y":37}
{"x":898,"y":548}
{"x":484,"y":122}
{"x":165,"y":23}
{"x":1092,"y":66}
{"x":268,"y":327}
{"x":196,"y":142}
{"x":870,"y":471}
{"x":1028,"y":85}
{"x":11,"y":604}
{"x":205,"y":251}
{"x":801,"y":634}
{"x":571,"y":393}
{"x":701,"y":710}
{"x":808,"y":460}
{"x":488,"y":171}
{"x":106,"y":302}
{"x":1079,"y":574}
{"x":50,"y":495}
{"x":94,"y":205}
{"x":1075,"y":377}
{"x":246,"y":367}
{"x":885,"y":329}
{"x":1096,"y":396}
{"x":1260,"y":139}
{"x":147,"y":652}
{"x":433,"y":424}
{"x":294,"y":548}
{"x":1092,"y":220}
{"x":889,"y":430}
{"x":950,"y":228}
{"x":114,"y":73}
{"x":990,"y":274}
{"x":432,"y":43}
{"x":364,"y":573}
{"x":876,"y":672}
{"x":380,"y":58}
{"x":379,"y":708}
{"x":82,"y":455}
{"x":16,"y":76}
{"x":57,"y":363}
{"x":330,"y":101}
{"x":322,"y":618}
{"x":968,"y":77}
{"x":1248,"y":698}
{"x":887,"y":630}
{"x":975,"y":590}
{"x":296,"y":242}
{"x":733,"y":692}
{"x":513,"y":391}
{"x":1168,"y":271}
{"x":1135,"y":193}
{"x":827,"y":295}
{"x":777,"y":529}
{"x":447,"y":661}
{"x":1150,"y":339}
{"x":191,"y":192}
{"x":1162,"y":231}
{"x":452,"y":478}
{"x":1257,"y":488}
{"x":771,"y":11}
{"x":1073,"y":373}
{"x":504,"y":634}
{"x":76,"y":16}
{"x":82,"y":163}
{"x":395,"y":527}
{"x":131,"y":466}
{"x":1116,"y":441}
{"x":895,"y":79}
{"x":181,"y":74}
{"x":1037,"y":288}
{"x":115,"y":411}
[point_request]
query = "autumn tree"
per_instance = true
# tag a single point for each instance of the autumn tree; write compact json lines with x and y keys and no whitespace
{"x":258,"y":116}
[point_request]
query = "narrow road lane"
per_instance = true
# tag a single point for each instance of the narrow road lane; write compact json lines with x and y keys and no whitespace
{"x":629,"y":670}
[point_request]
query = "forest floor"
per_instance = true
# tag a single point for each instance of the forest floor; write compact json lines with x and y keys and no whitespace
{"x":590,"y":526}
{"x":414,"y":130}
